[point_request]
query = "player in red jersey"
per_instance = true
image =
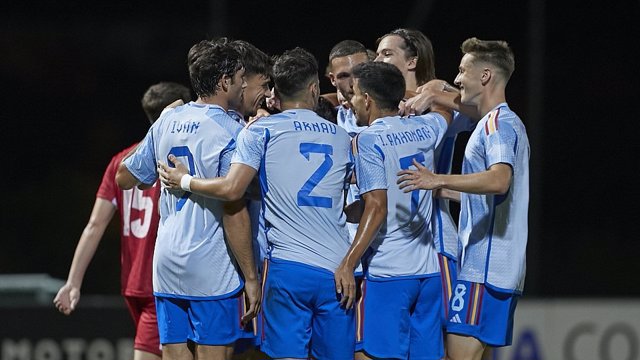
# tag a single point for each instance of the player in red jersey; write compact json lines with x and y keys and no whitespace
{"x":138,"y":224}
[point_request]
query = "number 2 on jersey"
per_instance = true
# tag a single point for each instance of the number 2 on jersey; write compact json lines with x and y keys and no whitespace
{"x":405,"y":163}
{"x":182,"y":151}
{"x":304,"y":197}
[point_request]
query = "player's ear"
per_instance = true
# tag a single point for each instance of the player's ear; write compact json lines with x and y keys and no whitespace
{"x":314,"y":87}
{"x":224,"y":82}
{"x":412,"y":63}
{"x":332,"y":78}
{"x":486,"y":76}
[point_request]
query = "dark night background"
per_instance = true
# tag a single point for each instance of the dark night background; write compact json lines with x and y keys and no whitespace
{"x":72,"y":75}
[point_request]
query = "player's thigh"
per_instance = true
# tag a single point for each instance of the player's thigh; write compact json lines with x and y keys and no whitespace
{"x":426,"y":323}
{"x":147,"y":339}
{"x":333,"y":327}
{"x":144,"y":355}
{"x":462,"y":347}
{"x":482,"y":312}
{"x":177,"y":352}
{"x":214,"y":352}
{"x":216,"y":322}
{"x":287,"y":309}
{"x":387,"y":317}
{"x":174,"y":326}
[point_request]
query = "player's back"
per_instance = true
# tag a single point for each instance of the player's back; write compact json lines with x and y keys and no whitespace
{"x":303,"y":177}
{"x":404,"y":245}
{"x":190,"y":244}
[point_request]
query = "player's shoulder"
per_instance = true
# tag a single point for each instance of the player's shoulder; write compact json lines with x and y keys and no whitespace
{"x":503,"y":116}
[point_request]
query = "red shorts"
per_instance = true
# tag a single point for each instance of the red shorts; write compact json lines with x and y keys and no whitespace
{"x":143,"y":311}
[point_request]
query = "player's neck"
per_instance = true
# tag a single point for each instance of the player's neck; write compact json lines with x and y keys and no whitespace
{"x":379,"y":114}
{"x":296,"y":104}
{"x":217,"y":99}
{"x":411,"y":83}
{"x":492,"y":96}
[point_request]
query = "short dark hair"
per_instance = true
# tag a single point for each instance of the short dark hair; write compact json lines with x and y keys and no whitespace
{"x":159,"y":95}
{"x":292,"y":72}
{"x":254,"y":60}
{"x":346,"y":48}
{"x":325,"y":109}
{"x":417,"y":44}
{"x":495,"y":52}
{"x":382,"y":81}
{"x":208,"y":61}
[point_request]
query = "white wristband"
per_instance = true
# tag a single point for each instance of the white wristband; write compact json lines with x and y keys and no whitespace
{"x":185,"y":182}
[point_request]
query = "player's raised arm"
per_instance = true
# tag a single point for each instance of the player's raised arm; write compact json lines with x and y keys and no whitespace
{"x":437,"y":93}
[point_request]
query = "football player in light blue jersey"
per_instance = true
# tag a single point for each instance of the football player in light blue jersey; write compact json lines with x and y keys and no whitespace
{"x":197,"y":285}
{"x":402,"y":299}
{"x":412,"y":53}
{"x":303,"y":162}
{"x":494,"y":195}
{"x":258,"y":68}
{"x":443,"y":227}
{"x":342,"y":58}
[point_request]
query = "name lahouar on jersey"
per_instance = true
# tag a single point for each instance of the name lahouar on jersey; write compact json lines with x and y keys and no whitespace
{"x":327,"y":128}
{"x":186,"y":127}
{"x":403,"y":137}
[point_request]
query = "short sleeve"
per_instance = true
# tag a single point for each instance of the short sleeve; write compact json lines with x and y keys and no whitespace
{"x":142,"y":163}
{"x":108,"y":188}
{"x":250,"y":147}
{"x":369,"y":163}
{"x":500,"y":141}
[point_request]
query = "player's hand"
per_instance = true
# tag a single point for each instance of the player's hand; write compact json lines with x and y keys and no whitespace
{"x":273,"y":103}
{"x":421,"y":178}
{"x":67,"y":299}
{"x":170,"y":177}
{"x":260,"y":113}
{"x":345,"y":286}
{"x":425,"y":97}
{"x":175,"y":104}
{"x":253,"y":298}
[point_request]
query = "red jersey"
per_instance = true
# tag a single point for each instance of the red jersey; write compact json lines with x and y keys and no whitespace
{"x":139,"y":217}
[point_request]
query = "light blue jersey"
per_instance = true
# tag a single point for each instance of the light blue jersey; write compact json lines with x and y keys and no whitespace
{"x":404,"y":245}
{"x":304,"y":162}
{"x":443,"y":227}
{"x":347,"y":120}
{"x":191,"y":259}
{"x":493,"y":228}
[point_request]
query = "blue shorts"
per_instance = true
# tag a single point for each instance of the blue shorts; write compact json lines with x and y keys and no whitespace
{"x":448,"y":276}
{"x":402,"y":317}
{"x":302,"y":316}
{"x":483,"y":313}
{"x":205,"y":322}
